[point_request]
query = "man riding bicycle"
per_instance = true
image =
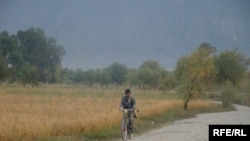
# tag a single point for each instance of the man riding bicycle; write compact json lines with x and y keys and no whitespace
{"x":128,"y":102}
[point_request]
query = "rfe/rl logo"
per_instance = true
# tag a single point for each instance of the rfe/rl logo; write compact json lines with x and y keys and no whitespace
{"x":229,"y":132}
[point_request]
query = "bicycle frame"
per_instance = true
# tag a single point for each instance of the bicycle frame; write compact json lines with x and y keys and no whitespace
{"x":125,"y":124}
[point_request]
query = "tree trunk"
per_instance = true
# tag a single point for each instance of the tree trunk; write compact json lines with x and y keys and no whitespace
{"x":186,"y":104}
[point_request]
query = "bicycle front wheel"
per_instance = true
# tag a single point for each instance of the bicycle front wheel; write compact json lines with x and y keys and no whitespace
{"x":124,"y":129}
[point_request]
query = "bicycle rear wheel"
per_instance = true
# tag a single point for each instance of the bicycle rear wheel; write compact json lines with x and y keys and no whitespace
{"x":129,"y":134}
{"x":129,"y":130}
{"x":124,"y":129}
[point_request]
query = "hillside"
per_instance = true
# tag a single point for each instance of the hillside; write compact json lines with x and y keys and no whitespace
{"x":97,"y":33}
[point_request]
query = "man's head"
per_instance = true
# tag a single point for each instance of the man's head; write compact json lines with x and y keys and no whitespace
{"x":127,"y":92}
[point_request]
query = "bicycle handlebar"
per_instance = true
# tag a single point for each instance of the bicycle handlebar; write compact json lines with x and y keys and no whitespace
{"x":121,"y":109}
{"x":126,"y":110}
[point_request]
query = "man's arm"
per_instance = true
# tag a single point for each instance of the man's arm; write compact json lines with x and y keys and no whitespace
{"x":134,"y":103}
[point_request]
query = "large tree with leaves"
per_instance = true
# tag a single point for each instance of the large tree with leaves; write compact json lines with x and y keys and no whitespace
{"x":118,"y":73}
{"x":30,"y":55}
{"x":150,"y":75}
{"x":41,"y":52}
{"x":231,"y":66}
{"x":8,"y":47}
{"x":195,"y":72}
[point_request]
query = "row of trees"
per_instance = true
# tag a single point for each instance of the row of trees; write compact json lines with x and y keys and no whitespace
{"x":29,"y":57}
{"x":148,"y":75}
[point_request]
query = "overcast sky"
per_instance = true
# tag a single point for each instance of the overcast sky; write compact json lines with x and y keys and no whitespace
{"x":97,"y":33}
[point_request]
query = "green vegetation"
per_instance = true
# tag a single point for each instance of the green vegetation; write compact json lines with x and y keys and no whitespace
{"x":30,"y":58}
{"x":195,"y":73}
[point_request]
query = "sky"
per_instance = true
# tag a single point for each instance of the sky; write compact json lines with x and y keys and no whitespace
{"x":97,"y":33}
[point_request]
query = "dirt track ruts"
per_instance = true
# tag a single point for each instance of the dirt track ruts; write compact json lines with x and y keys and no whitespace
{"x":196,"y":129}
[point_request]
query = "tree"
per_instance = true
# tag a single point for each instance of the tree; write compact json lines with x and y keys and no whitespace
{"x":67,"y":75}
{"x":231,"y":66}
{"x":118,"y":73}
{"x":195,"y":72}
{"x":90,"y":77}
{"x":41,"y":52}
{"x":58,"y":76}
{"x":167,"y":80}
{"x":2,"y":69}
{"x":103,"y":76}
{"x":8,"y":47}
{"x":149,"y":74}
{"x":29,"y":75}
{"x":78,"y":76}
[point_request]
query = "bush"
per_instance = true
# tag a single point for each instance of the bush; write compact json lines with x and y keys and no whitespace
{"x":227,"y":94}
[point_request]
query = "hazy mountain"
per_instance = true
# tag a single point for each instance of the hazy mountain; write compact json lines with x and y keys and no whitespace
{"x":96,"y":33}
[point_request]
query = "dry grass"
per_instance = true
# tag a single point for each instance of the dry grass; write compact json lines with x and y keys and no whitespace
{"x":29,"y":113}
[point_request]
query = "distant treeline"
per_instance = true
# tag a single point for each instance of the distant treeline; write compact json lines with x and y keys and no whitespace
{"x":29,"y":57}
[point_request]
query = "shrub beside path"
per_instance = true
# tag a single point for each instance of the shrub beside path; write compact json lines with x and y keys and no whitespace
{"x":196,"y":129}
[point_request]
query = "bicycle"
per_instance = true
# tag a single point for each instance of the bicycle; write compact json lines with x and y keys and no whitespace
{"x":125,"y":125}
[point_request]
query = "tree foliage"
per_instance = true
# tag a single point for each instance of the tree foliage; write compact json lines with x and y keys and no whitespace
{"x":149,"y":74}
{"x":40,"y":51}
{"x":30,"y":50}
{"x":29,"y":75}
{"x":118,"y":73}
{"x":8,"y":45}
{"x":231,"y":66}
{"x":30,"y":57}
{"x":195,"y":72}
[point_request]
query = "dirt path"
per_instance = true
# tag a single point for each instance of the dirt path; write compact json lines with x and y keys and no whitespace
{"x":196,"y":129}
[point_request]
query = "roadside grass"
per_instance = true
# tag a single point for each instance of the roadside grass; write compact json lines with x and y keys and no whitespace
{"x":78,"y":113}
{"x":148,"y":123}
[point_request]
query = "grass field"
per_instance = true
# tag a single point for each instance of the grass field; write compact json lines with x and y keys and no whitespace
{"x":69,"y":111}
